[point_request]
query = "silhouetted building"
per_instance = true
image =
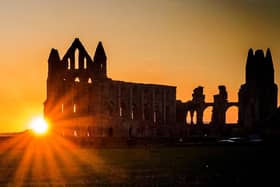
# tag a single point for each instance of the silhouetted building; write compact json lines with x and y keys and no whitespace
{"x":83,"y":101}
{"x":258,"y":96}
{"x":198,"y":105}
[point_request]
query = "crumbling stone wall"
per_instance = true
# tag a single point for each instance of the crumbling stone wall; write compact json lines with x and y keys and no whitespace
{"x":83,"y":101}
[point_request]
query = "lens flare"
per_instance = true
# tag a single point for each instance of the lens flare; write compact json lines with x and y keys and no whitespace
{"x":38,"y":125}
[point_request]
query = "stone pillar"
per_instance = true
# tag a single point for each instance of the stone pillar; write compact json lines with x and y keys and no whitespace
{"x":219,"y":108}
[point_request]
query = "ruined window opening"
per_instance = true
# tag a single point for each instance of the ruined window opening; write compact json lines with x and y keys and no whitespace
{"x":155,"y":117}
{"x":85,"y":63}
{"x":101,"y":67}
{"x":68,"y":64}
{"x":75,"y":108}
{"x":207,"y":115}
{"x":89,"y":81}
{"x":77,"y":79}
{"x":132,"y":115}
{"x":121,"y":112}
{"x":194,"y":120}
{"x":188,"y":118}
{"x":88,"y":134}
{"x":62,"y":107}
{"x":76,"y":59}
{"x":75,"y":133}
{"x":232,"y":115}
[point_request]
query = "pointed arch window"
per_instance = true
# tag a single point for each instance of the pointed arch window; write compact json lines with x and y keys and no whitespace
{"x":76,"y":53}
{"x":89,"y":81}
{"x":74,"y":108}
{"x":77,"y":79}
{"x":68,"y":63}
{"x":121,"y":111}
{"x":85,"y":63}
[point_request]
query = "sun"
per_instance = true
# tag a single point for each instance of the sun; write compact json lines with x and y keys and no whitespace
{"x":39,"y":125}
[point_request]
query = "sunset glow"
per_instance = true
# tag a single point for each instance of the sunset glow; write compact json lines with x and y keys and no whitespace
{"x":181,"y":43}
{"x":39,"y":126}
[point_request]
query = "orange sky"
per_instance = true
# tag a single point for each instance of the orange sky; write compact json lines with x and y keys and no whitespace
{"x":182,"y":43}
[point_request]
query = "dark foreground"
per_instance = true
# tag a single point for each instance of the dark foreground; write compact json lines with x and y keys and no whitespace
{"x":57,"y":162}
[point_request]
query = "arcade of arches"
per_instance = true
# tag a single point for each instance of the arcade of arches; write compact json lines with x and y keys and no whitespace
{"x":198,"y":112}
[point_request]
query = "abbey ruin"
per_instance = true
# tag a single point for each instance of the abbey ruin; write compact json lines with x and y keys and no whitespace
{"x":83,"y":101}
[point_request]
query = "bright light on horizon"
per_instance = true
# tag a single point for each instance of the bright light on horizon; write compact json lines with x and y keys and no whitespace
{"x":38,"y":125}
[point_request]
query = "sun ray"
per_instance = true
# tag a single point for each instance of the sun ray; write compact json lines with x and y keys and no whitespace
{"x":55,"y":159}
{"x":23,"y":168}
{"x":54,"y":171}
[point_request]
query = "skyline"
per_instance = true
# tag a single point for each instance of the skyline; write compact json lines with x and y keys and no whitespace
{"x":168,"y":42}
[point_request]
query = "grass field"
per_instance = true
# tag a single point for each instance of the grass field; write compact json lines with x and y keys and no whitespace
{"x":52,"y":163}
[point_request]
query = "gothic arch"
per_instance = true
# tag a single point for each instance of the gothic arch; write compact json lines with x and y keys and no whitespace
{"x":68,"y":63}
{"x":194,"y":118}
{"x":89,"y":81}
{"x":191,"y":117}
{"x":231,"y":113}
{"x":134,"y":111}
{"x":76,"y":58}
{"x":207,"y":114}
{"x":188,"y":117}
{"x":85,"y":62}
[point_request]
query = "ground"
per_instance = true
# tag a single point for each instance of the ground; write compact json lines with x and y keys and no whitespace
{"x":42,"y":162}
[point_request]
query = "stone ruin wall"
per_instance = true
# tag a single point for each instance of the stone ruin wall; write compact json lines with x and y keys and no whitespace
{"x":83,"y":101}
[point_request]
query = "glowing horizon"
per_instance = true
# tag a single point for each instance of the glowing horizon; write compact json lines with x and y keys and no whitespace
{"x":180,"y":43}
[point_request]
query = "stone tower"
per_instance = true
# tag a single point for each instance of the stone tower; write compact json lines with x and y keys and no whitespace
{"x":258,"y":96}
